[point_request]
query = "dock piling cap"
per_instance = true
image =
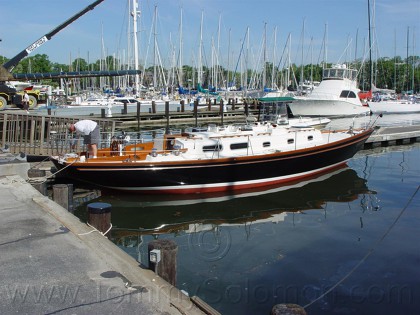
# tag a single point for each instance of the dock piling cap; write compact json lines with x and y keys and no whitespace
{"x":99,"y":207}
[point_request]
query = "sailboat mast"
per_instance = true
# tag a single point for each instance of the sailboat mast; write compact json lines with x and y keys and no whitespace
{"x":136,"y":50}
{"x":370,"y":50}
{"x":200,"y":61}
{"x":264,"y":83}
{"x":154,"y":50}
{"x":180,"y":80}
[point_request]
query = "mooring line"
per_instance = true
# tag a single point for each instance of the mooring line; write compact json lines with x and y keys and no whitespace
{"x":368,"y":253}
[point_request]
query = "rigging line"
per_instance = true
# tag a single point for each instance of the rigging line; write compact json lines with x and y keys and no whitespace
{"x":371,"y":250}
{"x":45,"y":178}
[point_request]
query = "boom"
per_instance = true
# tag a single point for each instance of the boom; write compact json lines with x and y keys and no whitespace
{"x":9,"y":65}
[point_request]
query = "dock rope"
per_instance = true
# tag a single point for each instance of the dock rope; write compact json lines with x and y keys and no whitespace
{"x":96,"y":230}
{"x":368,"y":253}
{"x":43,"y":179}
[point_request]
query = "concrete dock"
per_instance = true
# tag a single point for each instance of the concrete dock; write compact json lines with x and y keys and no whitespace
{"x":52,"y":263}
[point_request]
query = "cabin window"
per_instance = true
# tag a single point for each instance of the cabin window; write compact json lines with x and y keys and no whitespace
{"x":237,"y":146}
{"x":347,"y":94}
{"x":212,"y":148}
{"x":310,"y":138}
{"x":290,"y":141}
{"x":266,"y":144}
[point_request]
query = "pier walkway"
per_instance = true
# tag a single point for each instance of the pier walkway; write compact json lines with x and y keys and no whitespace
{"x":54,"y":264}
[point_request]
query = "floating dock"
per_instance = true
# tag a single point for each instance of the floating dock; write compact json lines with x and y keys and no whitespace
{"x":388,"y":136}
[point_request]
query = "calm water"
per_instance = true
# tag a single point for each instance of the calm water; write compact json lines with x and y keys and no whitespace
{"x":343,"y":243}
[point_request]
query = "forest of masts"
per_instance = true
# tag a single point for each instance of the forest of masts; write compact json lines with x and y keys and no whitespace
{"x":392,"y":73}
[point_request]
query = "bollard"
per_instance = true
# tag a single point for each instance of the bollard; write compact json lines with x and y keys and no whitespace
{"x":165,"y":251}
{"x":287,"y":309}
{"x":63,"y":195}
{"x":99,"y":215}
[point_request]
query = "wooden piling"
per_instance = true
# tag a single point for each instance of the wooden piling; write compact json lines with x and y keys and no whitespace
{"x":36,"y":172}
{"x":166,"y":267}
{"x":287,"y":309}
{"x":63,"y":195}
{"x":138,"y":116}
{"x":99,"y":215}
{"x":246,"y":108}
{"x":182,"y":106}
{"x":167,"y":116}
{"x":41,"y":187}
{"x":222,"y":109}
{"x":153,"y":107}
{"x":195,"y":111}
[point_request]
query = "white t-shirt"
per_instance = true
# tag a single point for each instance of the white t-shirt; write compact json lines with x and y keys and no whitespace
{"x":85,"y":127}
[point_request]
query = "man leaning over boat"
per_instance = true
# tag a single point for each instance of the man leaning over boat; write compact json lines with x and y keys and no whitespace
{"x":90,"y":132}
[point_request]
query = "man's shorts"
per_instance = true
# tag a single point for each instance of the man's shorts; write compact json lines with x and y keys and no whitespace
{"x":94,"y":137}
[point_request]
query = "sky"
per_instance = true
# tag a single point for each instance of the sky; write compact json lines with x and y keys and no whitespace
{"x":339,"y":25}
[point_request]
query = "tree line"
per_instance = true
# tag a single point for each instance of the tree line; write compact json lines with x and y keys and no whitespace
{"x":391,"y":73}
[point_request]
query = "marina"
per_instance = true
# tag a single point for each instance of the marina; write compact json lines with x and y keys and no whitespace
{"x":241,"y":181}
{"x":213,"y":230}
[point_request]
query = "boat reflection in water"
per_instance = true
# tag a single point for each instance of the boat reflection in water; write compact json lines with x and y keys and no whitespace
{"x":152,"y":215}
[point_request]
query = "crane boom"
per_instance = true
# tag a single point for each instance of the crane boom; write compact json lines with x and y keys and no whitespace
{"x":9,"y":65}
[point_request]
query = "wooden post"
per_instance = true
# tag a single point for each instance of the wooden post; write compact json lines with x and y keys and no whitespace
{"x":255,"y":104}
{"x":246,"y":108}
{"x":166,"y":267}
{"x":103,"y":112}
{"x":182,"y":106}
{"x":287,"y":309}
{"x":41,"y":187}
{"x":195,"y":111}
{"x":125,"y":109}
{"x":99,"y":215}
{"x":138,"y":116}
{"x":63,"y":195}
{"x":154,"y":107}
{"x":233,"y":103}
{"x":36,"y":172}
{"x":209,"y":104}
{"x":222,"y":109}
{"x":167,"y":116}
